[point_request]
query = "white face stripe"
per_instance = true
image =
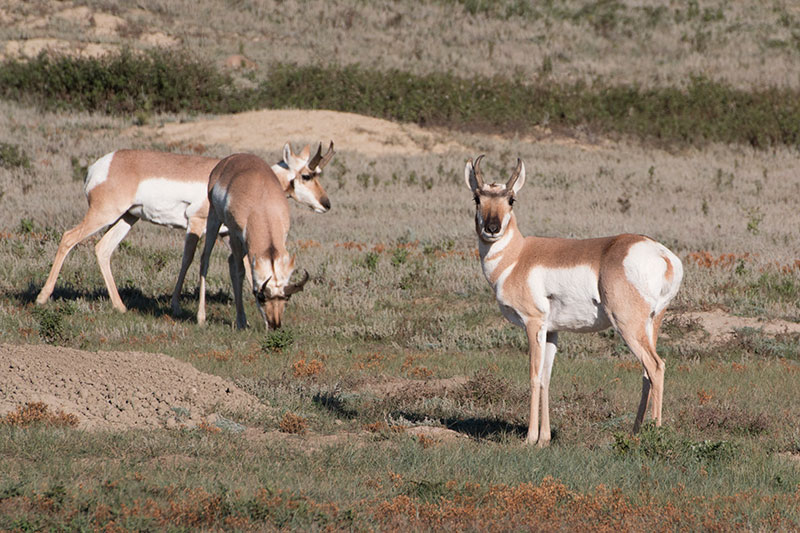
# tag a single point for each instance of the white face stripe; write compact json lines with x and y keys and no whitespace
{"x":98,"y":172}
{"x":494,"y":250}
{"x":306,"y":197}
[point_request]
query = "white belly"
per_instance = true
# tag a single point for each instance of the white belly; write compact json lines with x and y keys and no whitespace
{"x":166,"y":202}
{"x":569,"y":298}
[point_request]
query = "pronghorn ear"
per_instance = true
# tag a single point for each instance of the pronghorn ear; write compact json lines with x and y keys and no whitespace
{"x":520,"y":179}
{"x":469,"y":176}
{"x":306,"y":153}
{"x":287,"y":154}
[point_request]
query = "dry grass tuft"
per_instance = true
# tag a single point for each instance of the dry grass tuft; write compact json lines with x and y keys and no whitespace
{"x":303,"y":369}
{"x":292,"y":423}
{"x":38,"y":413}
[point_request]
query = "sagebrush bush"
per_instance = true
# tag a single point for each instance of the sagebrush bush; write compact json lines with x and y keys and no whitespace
{"x":12,"y":156}
{"x":157,"y":81}
{"x":168,"y":81}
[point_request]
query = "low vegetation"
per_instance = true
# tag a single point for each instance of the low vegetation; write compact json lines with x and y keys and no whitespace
{"x":159,"y":82}
{"x":397,"y":393}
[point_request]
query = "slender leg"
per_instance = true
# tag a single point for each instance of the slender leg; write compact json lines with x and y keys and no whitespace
{"x":103,"y":250}
{"x":212,"y":227}
{"x":640,"y":342}
{"x":637,"y":424}
{"x":236,"y":267}
{"x":536,"y":346}
{"x":195,"y":230}
{"x":92,"y":222}
{"x":248,"y":275}
{"x":547,"y":369}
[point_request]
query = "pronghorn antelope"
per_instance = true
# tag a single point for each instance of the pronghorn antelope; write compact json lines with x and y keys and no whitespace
{"x":246,"y":196}
{"x":547,"y":285}
{"x":170,"y":190}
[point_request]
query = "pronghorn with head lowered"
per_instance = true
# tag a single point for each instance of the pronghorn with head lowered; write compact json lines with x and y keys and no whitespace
{"x":547,"y":285}
{"x":169,"y":190}
{"x":245,"y":195}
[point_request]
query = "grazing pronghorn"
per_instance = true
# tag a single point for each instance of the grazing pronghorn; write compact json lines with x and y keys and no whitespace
{"x":170,"y":190}
{"x":547,"y":285}
{"x":246,"y":196}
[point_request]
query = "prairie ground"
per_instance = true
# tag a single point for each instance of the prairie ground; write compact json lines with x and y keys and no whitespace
{"x":396,"y":396}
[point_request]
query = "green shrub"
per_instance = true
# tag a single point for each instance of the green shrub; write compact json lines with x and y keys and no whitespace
{"x":12,"y":156}
{"x":168,"y":81}
{"x":158,"y":80}
{"x":277,"y":340}
{"x":52,"y":322}
{"x":665,"y":444}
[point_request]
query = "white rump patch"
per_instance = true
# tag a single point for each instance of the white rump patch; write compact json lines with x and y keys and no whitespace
{"x":645,"y":267}
{"x":97,"y":172}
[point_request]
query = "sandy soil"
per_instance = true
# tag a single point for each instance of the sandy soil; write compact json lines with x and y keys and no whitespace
{"x":270,"y":129}
{"x":721,"y":326}
{"x":115,"y":390}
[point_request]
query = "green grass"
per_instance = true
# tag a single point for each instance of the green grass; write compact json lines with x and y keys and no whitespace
{"x":397,"y":328}
{"x":703,"y":111}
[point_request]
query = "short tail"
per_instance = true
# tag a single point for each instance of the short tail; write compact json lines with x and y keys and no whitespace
{"x":673,"y":276}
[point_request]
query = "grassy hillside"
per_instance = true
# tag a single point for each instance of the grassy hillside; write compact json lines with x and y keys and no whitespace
{"x":397,"y":391}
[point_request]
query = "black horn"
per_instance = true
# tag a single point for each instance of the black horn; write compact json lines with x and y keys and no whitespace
{"x":296,"y":287}
{"x":264,"y":292}
{"x":476,"y":167}
{"x":514,"y":176}
{"x":312,"y":165}
{"x":328,"y":156}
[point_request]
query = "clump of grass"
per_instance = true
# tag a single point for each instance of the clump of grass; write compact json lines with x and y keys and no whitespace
{"x":53,"y":328}
{"x":755,"y":342}
{"x":34,"y":413}
{"x":277,"y":340}
{"x":12,"y":156}
{"x":305,"y":369}
{"x":485,"y":388}
{"x":292,"y":423}
{"x":730,"y":418}
{"x":665,"y":444}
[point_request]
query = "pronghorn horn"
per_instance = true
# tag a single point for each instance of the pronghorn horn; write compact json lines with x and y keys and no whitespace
{"x":312,"y":165}
{"x":264,"y":289}
{"x":296,"y":287}
{"x":328,"y":156}
{"x":514,"y":176}
{"x":478,"y":173}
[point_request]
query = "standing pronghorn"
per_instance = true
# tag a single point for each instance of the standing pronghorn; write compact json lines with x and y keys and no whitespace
{"x":547,"y":285}
{"x":246,"y":196}
{"x":170,"y":190}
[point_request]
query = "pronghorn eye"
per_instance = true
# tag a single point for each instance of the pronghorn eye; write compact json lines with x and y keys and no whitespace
{"x":477,"y":200}
{"x":511,"y":200}
{"x":306,"y":177}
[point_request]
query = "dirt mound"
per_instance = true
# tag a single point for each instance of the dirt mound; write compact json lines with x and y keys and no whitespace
{"x":270,"y":129}
{"x":115,"y":390}
{"x":721,"y":326}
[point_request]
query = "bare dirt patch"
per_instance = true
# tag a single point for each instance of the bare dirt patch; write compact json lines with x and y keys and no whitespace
{"x":267,"y":129}
{"x":115,"y":390}
{"x":721,"y":326}
{"x":96,"y":33}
